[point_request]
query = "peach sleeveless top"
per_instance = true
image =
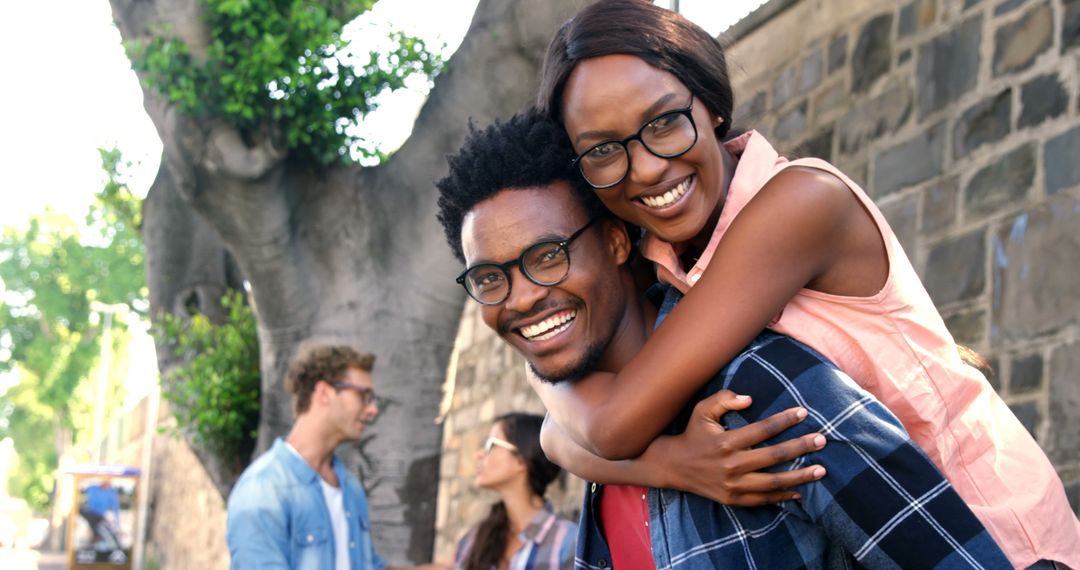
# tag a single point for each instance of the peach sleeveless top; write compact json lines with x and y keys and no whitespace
{"x":895,"y":345}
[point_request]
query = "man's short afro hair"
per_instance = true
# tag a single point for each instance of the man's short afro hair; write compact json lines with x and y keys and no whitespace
{"x":526,"y":151}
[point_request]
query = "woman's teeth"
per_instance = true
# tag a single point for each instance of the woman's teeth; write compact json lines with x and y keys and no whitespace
{"x":550,"y":327}
{"x":668,"y":198}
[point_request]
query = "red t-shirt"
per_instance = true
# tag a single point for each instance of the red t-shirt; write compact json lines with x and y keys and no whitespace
{"x":624,"y":514}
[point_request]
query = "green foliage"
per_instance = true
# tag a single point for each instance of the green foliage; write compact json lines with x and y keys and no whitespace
{"x":117,"y":213}
{"x":215,"y":393}
{"x":27,"y":421}
{"x":50,"y":274}
{"x":280,"y":67}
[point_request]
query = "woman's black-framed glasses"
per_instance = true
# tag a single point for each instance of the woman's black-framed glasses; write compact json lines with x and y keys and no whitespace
{"x":669,"y":135}
{"x":367,"y":393}
{"x":545,"y":263}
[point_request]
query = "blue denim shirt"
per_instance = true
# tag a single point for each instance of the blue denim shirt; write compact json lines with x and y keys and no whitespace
{"x":278,"y":516}
{"x":883,"y":503}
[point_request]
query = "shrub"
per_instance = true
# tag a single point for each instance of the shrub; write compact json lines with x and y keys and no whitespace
{"x":215,"y":392}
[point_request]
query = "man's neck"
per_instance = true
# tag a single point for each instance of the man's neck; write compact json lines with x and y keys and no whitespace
{"x":313,"y":442}
{"x":521,"y":507}
{"x":634,"y":329}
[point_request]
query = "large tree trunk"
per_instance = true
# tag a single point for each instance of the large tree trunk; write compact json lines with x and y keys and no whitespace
{"x":339,"y":254}
{"x":188,"y":271}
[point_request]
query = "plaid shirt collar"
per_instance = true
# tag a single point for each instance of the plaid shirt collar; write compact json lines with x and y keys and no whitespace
{"x":540,"y":525}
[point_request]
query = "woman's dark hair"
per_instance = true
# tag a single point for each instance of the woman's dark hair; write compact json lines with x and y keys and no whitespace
{"x":522,"y":430}
{"x":662,"y":38}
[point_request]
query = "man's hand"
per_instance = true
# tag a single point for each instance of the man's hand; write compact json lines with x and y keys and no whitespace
{"x":721,"y":465}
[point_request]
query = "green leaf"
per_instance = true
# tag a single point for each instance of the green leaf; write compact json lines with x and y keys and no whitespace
{"x":293,"y":44}
{"x":215,"y":393}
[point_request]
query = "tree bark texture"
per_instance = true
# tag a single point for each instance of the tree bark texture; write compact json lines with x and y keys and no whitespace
{"x":339,"y":254}
{"x":188,"y":271}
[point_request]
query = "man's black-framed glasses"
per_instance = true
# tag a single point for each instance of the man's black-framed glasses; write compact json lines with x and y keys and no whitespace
{"x":367,"y":393}
{"x":668,"y":135}
{"x":545,"y":263}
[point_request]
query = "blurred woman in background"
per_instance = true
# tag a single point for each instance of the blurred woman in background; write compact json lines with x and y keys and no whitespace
{"x":522,"y":531}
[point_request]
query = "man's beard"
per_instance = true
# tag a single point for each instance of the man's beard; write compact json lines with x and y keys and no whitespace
{"x":593,"y":353}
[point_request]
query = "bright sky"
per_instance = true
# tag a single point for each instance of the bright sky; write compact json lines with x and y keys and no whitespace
{"x":73,"y":91}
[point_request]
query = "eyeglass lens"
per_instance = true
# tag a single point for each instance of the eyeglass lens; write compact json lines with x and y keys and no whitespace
{"x":367,"y":395}
{"x":666,"y":136}
{"x":544,"y":263}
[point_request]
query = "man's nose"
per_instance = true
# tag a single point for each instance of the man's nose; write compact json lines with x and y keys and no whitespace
{"x":645,"y":167}
{"x":524,"y":294}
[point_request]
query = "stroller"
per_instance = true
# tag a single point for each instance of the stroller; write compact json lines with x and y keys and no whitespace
{"x":105,"y":544}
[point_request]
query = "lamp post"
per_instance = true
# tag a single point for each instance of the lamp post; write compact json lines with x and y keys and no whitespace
{"x":106,"y":311}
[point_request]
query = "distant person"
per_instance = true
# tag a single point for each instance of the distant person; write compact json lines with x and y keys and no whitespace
{"x":297,"y":506}
{"x":100,"y":500}
{"x":522,"y":531}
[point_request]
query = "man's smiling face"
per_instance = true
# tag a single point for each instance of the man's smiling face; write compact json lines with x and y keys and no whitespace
{"x":562,"y":330}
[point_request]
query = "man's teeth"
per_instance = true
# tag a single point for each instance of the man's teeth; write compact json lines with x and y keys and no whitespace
{"x":669,"y":197}
{"x":548,"y":327}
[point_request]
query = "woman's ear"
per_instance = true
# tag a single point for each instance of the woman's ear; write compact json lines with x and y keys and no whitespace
{"x":618,"y":240}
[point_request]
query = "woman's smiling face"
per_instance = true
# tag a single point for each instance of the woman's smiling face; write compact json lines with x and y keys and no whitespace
{"x":610,"y":98}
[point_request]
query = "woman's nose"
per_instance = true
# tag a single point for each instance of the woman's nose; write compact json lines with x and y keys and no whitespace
{"x":646,"y":168}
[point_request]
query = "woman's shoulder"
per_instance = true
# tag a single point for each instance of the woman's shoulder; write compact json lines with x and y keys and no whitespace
{"x":809,"y":175}
{"x":567,"y":529}
{"x":464,"y":544}
{"x":563,"y":520}
{"x":808,"y":194}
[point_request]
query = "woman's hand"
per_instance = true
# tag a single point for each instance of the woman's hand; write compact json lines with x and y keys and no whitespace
{"x":721,"y":465}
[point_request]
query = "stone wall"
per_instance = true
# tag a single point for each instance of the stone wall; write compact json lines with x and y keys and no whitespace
{"x":961,"y":119}
{"x":487,"y":379}
{"x":185,"y":520}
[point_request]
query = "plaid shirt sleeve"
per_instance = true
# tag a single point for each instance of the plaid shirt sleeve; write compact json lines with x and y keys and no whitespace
{"x":883,"y":500}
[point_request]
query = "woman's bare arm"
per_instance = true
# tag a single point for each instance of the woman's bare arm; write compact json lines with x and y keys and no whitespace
{"x":706,"y":459}
{"x":790,"y":236}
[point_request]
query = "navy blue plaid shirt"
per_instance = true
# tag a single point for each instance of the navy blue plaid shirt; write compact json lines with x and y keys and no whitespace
{"x":883,"y":503}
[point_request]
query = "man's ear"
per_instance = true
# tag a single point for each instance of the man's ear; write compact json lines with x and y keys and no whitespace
{"x":618,"y":240}
{"x":321,"y":391}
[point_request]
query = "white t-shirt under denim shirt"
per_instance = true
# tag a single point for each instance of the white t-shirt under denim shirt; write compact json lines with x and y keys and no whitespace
{"x":335,"y":503}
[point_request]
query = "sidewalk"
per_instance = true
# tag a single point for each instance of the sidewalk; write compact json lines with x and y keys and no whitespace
{"x":24,"y":559}
{"x":18,"y":559}
{"x":52,"y":561}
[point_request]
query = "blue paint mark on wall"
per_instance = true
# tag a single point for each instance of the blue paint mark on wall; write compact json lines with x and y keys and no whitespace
{"x":1000,"y":258}
{"x":1001,"y":261}
{"x":1019,"y":228}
